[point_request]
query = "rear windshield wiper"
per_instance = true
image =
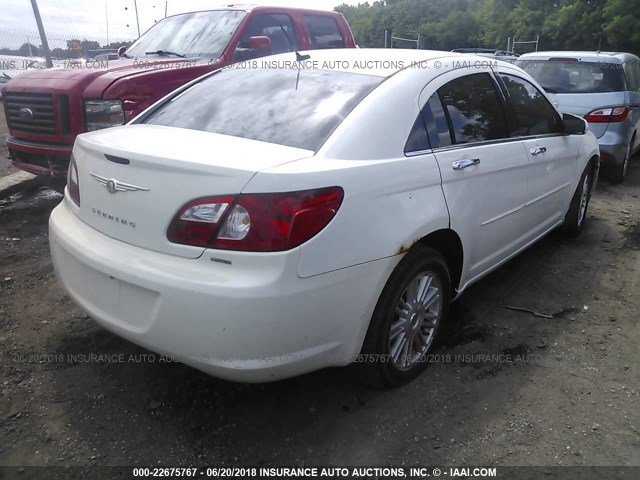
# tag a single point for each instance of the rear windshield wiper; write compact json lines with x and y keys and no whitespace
{"x":165,"y":53}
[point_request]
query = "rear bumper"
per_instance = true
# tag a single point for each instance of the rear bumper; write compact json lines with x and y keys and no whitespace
{"x":252,"y":321}
{"x":39,"y":158}
{"x":613,"y":146}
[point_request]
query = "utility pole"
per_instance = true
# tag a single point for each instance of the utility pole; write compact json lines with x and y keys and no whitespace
{"x":135,"y":4}
{"x":166,"y":6}
{"x":43,"y":36}
{"x":106,"y":14}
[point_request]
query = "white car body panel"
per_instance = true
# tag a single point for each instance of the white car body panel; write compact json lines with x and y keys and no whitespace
{"x":552,"y":174}
{"x":241,"y":322}
{"x":365,"y":135}
{"x":266,"y":316}
{"x":172,"y":174}
{"x":407,"y":198}
{"x":551,"y":180}
{"x":491,"y":223}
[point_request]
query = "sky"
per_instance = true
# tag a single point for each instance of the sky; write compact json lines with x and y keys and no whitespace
{"x":88,"y":18}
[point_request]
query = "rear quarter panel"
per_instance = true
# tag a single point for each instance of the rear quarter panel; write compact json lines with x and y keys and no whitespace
{"x":388,"y":205}
{"x":589,"y":148}
{"x":391,"y":201}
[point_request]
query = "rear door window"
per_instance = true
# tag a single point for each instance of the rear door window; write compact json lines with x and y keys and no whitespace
{"x":324,"y":32}
{"x":418,"y":140}
{"x":430,"y":129}
{"x":533,"y":113}
{"x":436,"y":121}
{"x":474,"y":109}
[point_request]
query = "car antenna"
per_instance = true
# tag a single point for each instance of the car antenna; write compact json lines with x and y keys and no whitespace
{"x":299,"y":57}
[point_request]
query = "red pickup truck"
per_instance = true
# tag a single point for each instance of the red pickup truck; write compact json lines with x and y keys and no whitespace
{"x":47,"y":109}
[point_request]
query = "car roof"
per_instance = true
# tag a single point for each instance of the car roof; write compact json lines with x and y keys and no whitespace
{"x":583,"y":56}
{"x":381,"y":62}
{"x":492,"y":51}
{"x":249,"y":7}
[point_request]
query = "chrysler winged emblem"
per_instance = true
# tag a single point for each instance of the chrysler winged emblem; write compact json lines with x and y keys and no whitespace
{"x":114,"y":186}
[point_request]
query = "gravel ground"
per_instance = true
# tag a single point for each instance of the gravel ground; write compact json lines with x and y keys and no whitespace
{"x":5,"y":164}
{"x":564,"y":391}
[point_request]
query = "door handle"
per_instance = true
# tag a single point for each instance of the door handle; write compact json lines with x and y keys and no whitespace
{"x":466,"y":163}
{"x":538,"y":150}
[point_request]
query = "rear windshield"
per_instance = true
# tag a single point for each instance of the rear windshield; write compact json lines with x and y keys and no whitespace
{"x":270,"y":105}
{"x":575,"y":77}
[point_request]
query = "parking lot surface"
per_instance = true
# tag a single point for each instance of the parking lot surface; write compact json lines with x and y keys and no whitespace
{"x":505,"y":387}
{"x":5,"y":164}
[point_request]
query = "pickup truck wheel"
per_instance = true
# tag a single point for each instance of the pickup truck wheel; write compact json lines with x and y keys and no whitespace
{"x":577,"y":214}
{"x":412,"y":306}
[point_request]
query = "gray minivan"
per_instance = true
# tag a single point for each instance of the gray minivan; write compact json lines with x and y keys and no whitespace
{"x":602,"y":87}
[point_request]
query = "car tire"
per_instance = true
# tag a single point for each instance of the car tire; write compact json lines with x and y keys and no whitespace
{"x":577,"y":214}
{"x":410,"y":311}
{"x":620,"y":172}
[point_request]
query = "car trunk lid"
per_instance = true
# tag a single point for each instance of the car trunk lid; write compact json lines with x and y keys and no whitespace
{"x":134,"y":179}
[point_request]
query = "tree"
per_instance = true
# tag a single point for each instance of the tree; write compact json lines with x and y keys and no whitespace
{"x":447,"y":24}
{"x":578,"y":26}
{"x":28,"y":50}
{"x":117,"y":45}
{"x":621,"y":27}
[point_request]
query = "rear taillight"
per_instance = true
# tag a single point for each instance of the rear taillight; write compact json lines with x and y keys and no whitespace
{"x":270,"y":222}
{"x":73,"y":182}
{"x":608,"y":115}
{"x":564,"y":59}
{"x":197,"y":222}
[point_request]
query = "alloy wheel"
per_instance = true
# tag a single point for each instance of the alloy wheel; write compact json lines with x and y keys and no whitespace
{"x":584,"y":199}
{"x":416,"y":317}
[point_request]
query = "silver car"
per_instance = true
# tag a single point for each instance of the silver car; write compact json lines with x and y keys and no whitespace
{"x":503,"y":55}
{"x":602,"y":87}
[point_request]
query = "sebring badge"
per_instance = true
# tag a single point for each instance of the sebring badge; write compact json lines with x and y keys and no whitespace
{"x":114,"y":186}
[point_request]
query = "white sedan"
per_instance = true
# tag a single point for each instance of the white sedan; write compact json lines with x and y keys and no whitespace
{"x":264,"y":221}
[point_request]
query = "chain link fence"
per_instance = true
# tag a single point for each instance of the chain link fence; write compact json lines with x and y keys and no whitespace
{"x":21,"y":50}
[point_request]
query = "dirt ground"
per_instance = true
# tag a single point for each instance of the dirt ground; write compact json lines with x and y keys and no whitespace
{"x":564,"y":391}
{"x":5,"y":164}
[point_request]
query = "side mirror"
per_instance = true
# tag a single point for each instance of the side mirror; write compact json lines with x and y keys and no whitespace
{"x":261,"y":42}
{"x":574,"y":125}
{"x":121,"y":51}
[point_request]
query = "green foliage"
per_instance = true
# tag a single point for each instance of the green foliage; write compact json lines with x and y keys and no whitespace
{"x":622,"y":25}
{"x":448,"y":24}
